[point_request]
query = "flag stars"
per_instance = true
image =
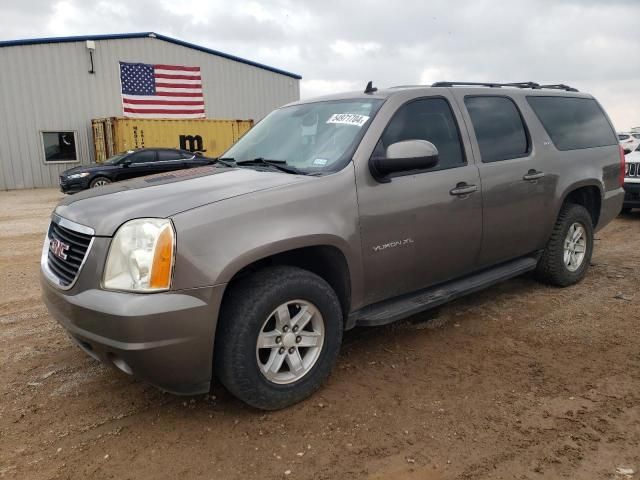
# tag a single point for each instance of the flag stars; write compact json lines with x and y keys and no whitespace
{"x":137,"y":79}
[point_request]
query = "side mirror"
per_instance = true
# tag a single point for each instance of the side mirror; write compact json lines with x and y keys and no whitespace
{"x":404,"y":156}
{"x":126,"y":162}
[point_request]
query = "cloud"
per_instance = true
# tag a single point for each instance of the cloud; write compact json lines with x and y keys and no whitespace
{"x":339,"y":45}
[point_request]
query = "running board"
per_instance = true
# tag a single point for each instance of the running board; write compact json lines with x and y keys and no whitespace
{"x":404,"y":306}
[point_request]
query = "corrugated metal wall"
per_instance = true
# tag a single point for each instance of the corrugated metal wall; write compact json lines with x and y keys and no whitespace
{"x":48,"y":87}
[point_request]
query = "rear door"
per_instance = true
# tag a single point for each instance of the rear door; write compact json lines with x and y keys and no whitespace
{"x":420,"y":229}
{"x":192,"y":160}
{"x":168,"y":160}
{"x":517,"y":192}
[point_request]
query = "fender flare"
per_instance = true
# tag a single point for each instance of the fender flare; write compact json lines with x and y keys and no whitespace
{"x":270,"y":249}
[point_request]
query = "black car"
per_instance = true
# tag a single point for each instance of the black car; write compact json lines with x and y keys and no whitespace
{"x":130,"y":164}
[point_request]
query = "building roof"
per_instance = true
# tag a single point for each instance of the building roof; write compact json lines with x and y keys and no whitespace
{"x":121,"y":36}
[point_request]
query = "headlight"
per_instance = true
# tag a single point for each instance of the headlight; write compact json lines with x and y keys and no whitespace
{"x":141,"y":256}
{"x":78,"y":175}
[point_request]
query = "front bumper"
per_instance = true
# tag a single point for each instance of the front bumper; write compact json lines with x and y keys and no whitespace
{"x":631,"y":195}
{"x":165,"y":339}
{"x":74,"y":185}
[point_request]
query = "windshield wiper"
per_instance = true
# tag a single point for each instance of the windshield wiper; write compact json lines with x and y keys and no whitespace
{"x":279,"y":164}
{"x":228,"y":162}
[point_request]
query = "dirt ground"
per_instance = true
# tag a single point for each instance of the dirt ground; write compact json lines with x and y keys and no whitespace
{"x":521,"y":381}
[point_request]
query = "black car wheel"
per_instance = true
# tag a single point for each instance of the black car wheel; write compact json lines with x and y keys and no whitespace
{"x":99,"y":182}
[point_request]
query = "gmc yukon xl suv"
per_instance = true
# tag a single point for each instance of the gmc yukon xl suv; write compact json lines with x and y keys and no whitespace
{"x":356,"y":209}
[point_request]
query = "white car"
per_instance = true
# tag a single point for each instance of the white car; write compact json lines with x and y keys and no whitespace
{"x":629,"y":140}
{"x":632,"y":181}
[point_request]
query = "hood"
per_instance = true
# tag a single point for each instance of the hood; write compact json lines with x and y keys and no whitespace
{"x":106,"y":208}
{"x":88,"y":168}
{"x":632,"y":157}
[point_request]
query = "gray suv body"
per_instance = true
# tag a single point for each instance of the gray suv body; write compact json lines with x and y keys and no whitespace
{"x":352,"y":209}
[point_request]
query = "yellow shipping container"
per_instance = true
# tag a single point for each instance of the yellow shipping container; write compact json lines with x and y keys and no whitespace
{"x":209,"y":137}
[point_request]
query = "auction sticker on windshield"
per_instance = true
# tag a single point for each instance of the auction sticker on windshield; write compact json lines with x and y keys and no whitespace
{"x":348,"y":119}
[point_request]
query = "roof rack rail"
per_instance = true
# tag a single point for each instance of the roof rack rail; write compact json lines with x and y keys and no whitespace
{"x":560,"y":86}
{"x":533,"y":85}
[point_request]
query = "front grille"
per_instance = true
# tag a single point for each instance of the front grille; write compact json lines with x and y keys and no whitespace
{"x":75,"y":246}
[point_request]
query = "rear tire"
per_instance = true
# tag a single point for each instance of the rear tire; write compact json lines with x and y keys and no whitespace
{"x":567,"y":256}
{"x":257,"y":329}
{"x":99,"y":182}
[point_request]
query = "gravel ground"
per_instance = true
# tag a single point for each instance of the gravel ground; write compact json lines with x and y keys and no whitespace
{"x":521,"y":381}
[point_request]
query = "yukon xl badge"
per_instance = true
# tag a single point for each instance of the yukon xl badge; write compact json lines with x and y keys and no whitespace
{"x":398,"y":243}
{"x":58,"y":248}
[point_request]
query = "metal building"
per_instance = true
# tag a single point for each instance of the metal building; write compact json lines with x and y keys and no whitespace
{"x":51,"y":89}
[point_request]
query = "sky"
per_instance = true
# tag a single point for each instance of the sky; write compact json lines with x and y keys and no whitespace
{"x":338,"y":45}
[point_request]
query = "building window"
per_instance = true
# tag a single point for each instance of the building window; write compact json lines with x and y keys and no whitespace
{"x":59,"y":146}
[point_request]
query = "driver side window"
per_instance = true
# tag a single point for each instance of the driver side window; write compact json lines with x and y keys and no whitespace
{"x":429,"y":119}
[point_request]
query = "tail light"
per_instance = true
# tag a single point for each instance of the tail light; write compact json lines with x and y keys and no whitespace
{"x":622,"y":166}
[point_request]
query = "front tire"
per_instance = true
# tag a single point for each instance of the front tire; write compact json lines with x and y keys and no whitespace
{"x":278,"y":336}
{"x":99,"y":182}
{"x":567,"y":256}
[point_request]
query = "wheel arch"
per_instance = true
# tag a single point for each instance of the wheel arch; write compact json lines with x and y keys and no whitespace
{"x":589,"y":194}
{"x":322,"y":257}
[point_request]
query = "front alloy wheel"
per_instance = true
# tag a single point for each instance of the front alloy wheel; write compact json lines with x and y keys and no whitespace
{"x":278,"y":336}
{"x":99,"y":182}
{"x":290,"y":342}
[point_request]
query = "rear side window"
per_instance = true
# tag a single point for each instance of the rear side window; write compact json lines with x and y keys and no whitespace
{"x":145,"y":156}
{"x":499,"y":128}
{"x":168,"y":155}
{"x":573,"y":123}
{"x":429,"y":119}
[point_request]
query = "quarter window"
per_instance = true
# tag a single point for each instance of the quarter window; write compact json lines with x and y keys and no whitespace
{"x":499,"y":128}
{"x":59,"y":147}
{"x":573,"y":123}
{"x":429,"y":119}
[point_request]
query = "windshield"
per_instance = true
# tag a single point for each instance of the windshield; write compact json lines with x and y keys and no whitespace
{"x":116,"y":158}
{"x":312,"y":137}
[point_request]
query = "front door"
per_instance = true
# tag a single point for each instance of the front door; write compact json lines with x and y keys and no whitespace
{"x":137,"y":164}
{"x":423,"y":228}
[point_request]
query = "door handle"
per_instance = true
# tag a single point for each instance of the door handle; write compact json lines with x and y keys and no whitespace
{"x":533,"y":175}
{"x":463,"y":189}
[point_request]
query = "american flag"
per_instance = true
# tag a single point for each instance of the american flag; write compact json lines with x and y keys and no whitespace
{"x":161,"y":91}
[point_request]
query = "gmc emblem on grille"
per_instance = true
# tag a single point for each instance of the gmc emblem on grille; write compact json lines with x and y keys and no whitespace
{"x":58,"y":248}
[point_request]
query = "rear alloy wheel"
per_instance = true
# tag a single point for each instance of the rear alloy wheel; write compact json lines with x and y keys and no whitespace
{"x":278,"y":336}
{"x":99,"y":182}
{"x":575,"y":247}
{"x":567,"y":256}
